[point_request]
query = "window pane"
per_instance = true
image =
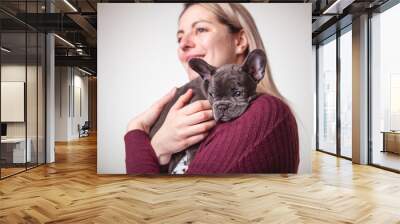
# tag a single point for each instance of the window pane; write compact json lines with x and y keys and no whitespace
{"x":386,"y":89}
{"x":346,"y":94}
{"x":31,"y":101}
{"x":327,"y":97}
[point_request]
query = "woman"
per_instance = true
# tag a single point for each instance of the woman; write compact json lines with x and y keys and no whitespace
{"x":263,"y":140}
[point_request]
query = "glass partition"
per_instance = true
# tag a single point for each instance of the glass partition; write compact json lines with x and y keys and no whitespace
{"x":22,"y":77}
{"x":327,"y":96}
{"x":13,"y":103}
{"x":346,"y":93}
{"x":32,"y":95}
{"x":41,"y":88}
{"x":385,"y":89}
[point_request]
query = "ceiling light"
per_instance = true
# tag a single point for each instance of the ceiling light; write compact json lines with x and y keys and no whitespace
{"x":337,"y":7}
{"x":70,"y":5}
{"x":86,"y":72}
{"x":64,"y":40}
{"x":5,"y":50}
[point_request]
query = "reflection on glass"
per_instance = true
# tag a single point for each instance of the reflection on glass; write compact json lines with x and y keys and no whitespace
{"x":41,"y":98}
{"x":31,"y":101}
{"x":327,"y":97}
{"x":395,"y":101}
{"x":22,"y":90}
{"x":346,"y":94}
{"x":386,"y":89}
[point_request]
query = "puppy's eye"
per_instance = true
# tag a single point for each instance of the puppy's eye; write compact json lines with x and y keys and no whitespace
{"x":211,"y":95}
{"x":236,"y":93}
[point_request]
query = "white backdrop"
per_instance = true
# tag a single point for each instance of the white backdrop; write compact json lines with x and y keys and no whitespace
{"x":138,"y":63}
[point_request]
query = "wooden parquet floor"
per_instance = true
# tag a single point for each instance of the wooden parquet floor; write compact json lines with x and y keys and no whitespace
{"x":70,"y":191}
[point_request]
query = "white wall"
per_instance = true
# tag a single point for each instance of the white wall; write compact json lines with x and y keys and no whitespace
{"x":80,"y":83}
{"x":67,"y":81}
{"x":61,"y":103}
{"x":137,"y":53}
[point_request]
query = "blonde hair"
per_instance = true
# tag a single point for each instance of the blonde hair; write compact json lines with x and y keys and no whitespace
{"x":237,"y":17}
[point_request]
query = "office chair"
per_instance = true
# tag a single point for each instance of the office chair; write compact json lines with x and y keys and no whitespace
{"x":84,"y":130}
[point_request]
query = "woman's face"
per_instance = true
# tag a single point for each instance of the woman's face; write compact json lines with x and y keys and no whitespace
{"x":201,"y":35}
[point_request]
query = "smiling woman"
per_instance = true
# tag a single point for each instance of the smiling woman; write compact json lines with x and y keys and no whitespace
{"x":200,"y":34}
{"x":263,"y":139}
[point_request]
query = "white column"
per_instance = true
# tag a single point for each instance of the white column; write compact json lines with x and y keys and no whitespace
{"x":50,"y":92}
{"x":50,"y":100}
{"x":360,"y":90}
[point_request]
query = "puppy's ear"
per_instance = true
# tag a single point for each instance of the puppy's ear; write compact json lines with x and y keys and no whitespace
{"x":202,"y":68}
{"x":255,"y":63}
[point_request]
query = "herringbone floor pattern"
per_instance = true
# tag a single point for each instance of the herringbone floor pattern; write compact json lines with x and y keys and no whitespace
{"x":70,"y":191}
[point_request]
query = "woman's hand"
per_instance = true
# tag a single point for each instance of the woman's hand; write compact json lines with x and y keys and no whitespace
{"x":146,"y":119}
{"x":184,"y":126}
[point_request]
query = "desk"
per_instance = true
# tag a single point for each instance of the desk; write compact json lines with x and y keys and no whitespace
{"x":15,"y":148}
{"x":391,"y":141}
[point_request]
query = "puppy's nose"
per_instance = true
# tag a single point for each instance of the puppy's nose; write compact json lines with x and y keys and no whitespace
{"x":222,"y":107}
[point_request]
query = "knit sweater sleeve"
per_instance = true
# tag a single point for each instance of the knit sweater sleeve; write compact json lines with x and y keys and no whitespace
{"x":140,"y":157}
{"x":263,"y":140}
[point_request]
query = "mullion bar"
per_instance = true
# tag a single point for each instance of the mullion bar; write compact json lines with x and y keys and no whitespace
{"x":37,"y":90}
{"x":47,"y":5}
{"x":317,"y":96}
{"x":369,"y":89}
{"x":26,"y":87}
{"x":338,"y":92}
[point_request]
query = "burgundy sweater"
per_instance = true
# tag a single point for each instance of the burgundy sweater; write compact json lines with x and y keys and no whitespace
{"x":264,"y":139}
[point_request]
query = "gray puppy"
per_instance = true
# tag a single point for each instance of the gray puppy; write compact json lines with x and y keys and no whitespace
{"x":229,"y":88}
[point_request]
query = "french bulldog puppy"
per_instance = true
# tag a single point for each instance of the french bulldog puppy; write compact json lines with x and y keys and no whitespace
{"x":229,"y":88}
